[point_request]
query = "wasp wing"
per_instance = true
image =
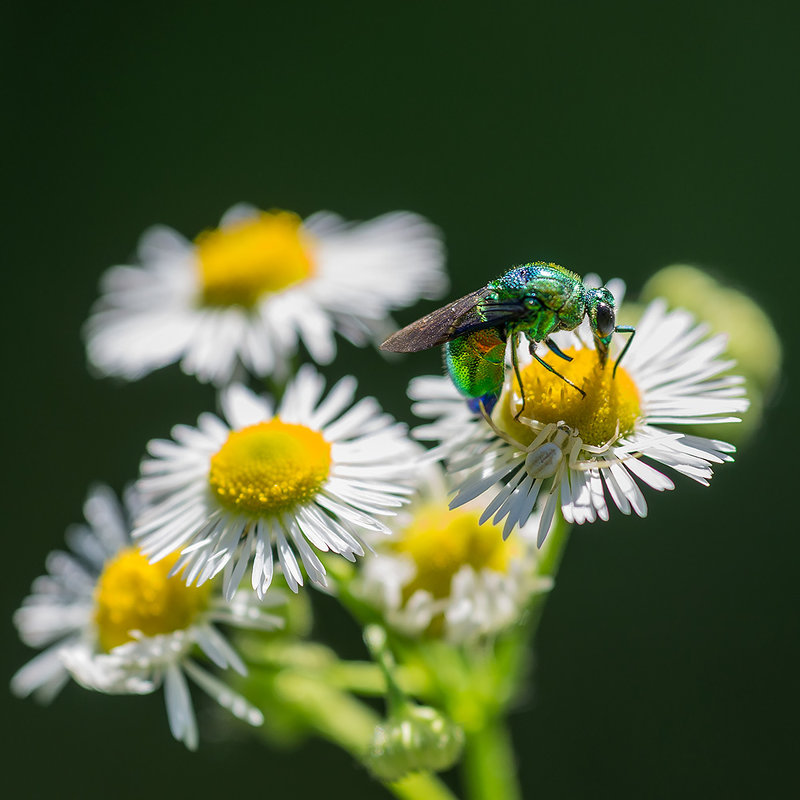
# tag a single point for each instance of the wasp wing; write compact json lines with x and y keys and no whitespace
{"x":436,"y":328}
{"x":469,"y":313}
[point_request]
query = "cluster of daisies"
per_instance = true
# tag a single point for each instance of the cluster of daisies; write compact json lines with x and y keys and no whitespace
{"x":277,"y":486}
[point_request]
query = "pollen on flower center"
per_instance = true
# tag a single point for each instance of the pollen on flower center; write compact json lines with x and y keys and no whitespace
{"x":441,"y":541}
{"x":244,"y":261}
{"x":133,"y":595}
{"x":608,"y":401}
{"x":269,"y":467}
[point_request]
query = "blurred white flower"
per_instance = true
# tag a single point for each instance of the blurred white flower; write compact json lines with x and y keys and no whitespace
{"x":245,"y":294}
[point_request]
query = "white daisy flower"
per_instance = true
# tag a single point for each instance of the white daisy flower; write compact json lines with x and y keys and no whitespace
{"x":246,"y":293}
{"x":311,"y":472}
{"x":572,"y":452}
{"x":442,"y":574}
{"x":117,"y":624}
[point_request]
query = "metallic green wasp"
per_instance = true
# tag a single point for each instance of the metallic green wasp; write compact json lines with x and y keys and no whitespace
{"x":533,"y":300}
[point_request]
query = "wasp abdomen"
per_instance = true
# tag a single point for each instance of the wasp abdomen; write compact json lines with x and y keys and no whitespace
{"x":476,"y":362}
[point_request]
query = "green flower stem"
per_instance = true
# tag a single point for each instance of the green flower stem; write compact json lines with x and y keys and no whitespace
{"x":365,"y":678}
{"x":314,"y":660}
{"x":277,"y":386}
{"x":375,"y":639}
{"x":489,"y":769}
{"x":420,"y":786}
{"x":349,"y":724}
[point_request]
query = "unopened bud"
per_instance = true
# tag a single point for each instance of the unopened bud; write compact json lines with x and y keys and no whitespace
{"x":419,"y":739}
{"x":752,"y":340}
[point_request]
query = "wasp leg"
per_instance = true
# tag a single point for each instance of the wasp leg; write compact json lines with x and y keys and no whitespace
{"x":556,"y":372}
{"x":515,"y":364}
{"x":623,"y":329}
{"x":556,"y":349}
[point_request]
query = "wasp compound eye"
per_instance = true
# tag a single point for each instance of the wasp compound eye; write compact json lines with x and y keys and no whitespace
{"x":532,"y":302}
{"x":605,"y":320}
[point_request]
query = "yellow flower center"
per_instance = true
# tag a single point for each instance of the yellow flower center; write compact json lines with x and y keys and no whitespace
{"x":548,"y":398}
{"x":244,"y":261}
{"x":441,"y":541}
{"x":269,"y":467}
{"x":133,"y":595}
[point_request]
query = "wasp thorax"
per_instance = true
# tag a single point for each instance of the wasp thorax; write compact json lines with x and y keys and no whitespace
{"x":610,"y":407}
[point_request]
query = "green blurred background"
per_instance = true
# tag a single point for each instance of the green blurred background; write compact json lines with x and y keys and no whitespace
{"x":614,"y":137}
